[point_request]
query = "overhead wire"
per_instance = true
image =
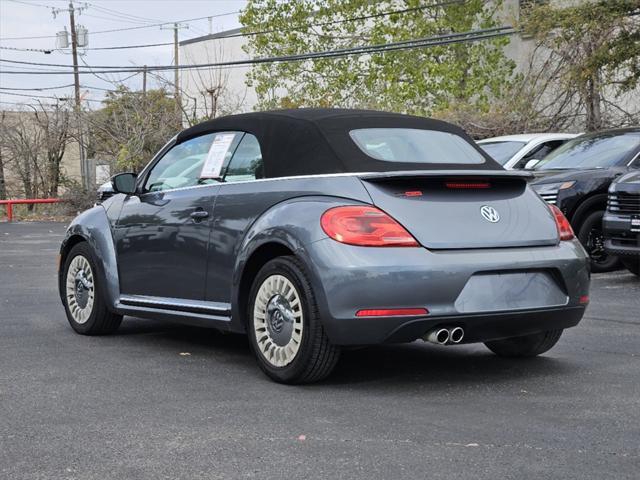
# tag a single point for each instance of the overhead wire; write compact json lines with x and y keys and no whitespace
{"x":129,"y":28}
{"x":445,"y":39}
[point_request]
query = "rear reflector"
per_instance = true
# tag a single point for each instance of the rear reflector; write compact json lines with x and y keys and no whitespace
{"x":365,"y":226}
{"x":392,"y":312}
{"x":564,"y":227}
{"x":584,"y":299}
{"x":413,"y":193}
{"x":467,"y":185}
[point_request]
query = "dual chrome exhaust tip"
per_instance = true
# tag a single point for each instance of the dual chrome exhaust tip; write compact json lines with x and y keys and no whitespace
{"x":444,"y":336}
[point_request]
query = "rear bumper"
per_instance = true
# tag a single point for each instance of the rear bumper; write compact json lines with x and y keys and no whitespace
{"x":348,"y":278}
{"x":619,"y":239}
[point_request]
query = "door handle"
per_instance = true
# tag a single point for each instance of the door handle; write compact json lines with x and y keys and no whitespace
{"x":199,"y":215}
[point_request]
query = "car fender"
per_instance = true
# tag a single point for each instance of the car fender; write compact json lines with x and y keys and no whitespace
{"x":293,"y":224}
{"x":94,"y":227}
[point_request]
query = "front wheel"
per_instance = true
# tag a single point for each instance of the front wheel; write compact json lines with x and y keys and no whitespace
{"x":86,"y":310}
{"x":525,"y":346}
{"x":284,"y":326}
{"x":591,"y":236}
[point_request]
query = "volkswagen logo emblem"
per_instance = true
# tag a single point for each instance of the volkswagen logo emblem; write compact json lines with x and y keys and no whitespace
{"x":490,"y":214}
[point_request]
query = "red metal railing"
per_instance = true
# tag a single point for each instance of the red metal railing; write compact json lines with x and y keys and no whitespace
{"x":24,"y":201}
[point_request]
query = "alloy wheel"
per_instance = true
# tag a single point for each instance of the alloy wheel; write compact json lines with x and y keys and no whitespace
{"x":278,"y":320}
{"x":80,"y":289}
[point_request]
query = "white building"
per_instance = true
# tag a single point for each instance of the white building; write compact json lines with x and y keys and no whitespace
{"x":212,"y":90}
{"x":219,"y":91}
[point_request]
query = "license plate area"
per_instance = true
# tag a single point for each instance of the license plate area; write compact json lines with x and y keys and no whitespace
{"x":505,"y":291}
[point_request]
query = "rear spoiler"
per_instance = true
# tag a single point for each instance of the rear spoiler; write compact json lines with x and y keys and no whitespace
{"x":413,"y":174}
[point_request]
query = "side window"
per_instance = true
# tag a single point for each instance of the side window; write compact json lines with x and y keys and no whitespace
{"x":246,"y":163}
{"x":539,"y":152}
{"x":180,"y":166}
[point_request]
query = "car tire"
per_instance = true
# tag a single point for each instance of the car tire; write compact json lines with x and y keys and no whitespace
{"x":525,"y":346}
{"x":632,"y":264}
{"x":591,"y":236}
{"x":284,"y":327}
{"x":83,"y":300}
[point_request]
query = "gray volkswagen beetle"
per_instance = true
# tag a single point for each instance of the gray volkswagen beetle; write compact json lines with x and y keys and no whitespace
{"x":314,"y":229}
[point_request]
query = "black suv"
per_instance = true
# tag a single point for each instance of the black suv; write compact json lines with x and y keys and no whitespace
{"x":622,"y":221}
{"x":576,"y":178}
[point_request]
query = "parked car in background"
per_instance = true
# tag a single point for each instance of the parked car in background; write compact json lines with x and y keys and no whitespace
{"x":622,"y":221}
{"x":105,"y":191}
{"x":576,"y":178}
{"x":513,"y":152}
{"x":314,"y":229}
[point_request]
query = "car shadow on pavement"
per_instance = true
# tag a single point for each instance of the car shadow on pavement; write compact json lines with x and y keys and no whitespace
{"x":396,"y":365}
{"x":444,"y":366}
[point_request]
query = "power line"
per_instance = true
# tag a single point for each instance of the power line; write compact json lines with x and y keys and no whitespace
{"x":345,"y":20}
{"x":117,"y":13}
{"x":262,"y":32}
{"x":129,"y":28}
{"x":447,"y":39}
{"x":62,"y":97}
{"x":31,"y":4}
{"x":40,"y":89}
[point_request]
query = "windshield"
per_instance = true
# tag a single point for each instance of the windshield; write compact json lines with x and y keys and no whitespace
{"x":502,"y":152}
{"x":593,"y":151}
{"x":415,"y":146}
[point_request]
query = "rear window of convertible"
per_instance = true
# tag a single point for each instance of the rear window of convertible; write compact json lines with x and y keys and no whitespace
{"x":415,"y":146}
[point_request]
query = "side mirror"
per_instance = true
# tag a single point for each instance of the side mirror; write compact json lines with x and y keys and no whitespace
{"x":531,"y":164}
{"x":124,"y":183}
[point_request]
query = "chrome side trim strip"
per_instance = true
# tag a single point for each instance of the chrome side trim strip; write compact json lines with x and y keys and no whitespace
{"x":177,"y":304}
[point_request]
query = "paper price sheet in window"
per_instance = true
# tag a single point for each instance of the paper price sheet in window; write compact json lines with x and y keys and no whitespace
{"x":212,"y":167}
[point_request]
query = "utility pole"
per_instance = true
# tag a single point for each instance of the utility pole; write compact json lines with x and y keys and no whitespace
{"x":176,"y":62}
{"x":144,"y":82}
{"x":85,"y":172}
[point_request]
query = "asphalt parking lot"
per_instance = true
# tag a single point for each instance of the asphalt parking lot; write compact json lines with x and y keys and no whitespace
{"x":159,"y":400}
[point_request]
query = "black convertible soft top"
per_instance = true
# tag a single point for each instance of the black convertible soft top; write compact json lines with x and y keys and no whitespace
{"x":312,"y":141}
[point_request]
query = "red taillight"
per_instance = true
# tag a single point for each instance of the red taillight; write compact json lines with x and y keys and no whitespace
{"x":564,"y":227}
{"x":392,"y":312}
{"x":584,"y":300}
{"x":365,"y":226}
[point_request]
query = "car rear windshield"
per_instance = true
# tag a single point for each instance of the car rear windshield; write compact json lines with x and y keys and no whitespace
{"x":410,"y":145}
{"x":501,"y":151}
{"x":593,"y":151}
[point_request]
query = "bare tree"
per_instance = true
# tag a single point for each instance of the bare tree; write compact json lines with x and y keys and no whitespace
{"x":54,"y":122}
{"x":3,"y":183}
{"x":32,"y":145}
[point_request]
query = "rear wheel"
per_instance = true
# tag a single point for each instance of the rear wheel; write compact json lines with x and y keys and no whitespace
{"x":526,"y":346}
{"x":591,"y":236}
{"x":284,"y":326}
{"x":86,"y":310}
{"x":632,"y":264}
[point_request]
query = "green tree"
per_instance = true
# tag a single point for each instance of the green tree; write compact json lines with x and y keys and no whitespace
{"x":419,"y":81}
{"x":597,"y":46}
{"x":132,"y":126}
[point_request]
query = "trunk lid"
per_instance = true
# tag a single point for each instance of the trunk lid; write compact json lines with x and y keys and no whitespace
{"x":457,"y":209}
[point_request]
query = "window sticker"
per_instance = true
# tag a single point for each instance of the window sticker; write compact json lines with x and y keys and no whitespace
{"x":217,"y":153}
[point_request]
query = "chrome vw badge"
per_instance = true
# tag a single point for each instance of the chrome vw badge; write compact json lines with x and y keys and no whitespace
{"x":490,"y":214}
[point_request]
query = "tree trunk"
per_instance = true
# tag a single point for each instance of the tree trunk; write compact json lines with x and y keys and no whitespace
{"x":593,"y":104}
{"x":3,"y":185}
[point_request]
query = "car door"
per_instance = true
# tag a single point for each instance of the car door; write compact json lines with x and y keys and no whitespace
{"x":162,"y":233}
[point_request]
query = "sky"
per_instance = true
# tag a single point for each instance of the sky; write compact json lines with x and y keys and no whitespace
{"x":34,"y":18}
